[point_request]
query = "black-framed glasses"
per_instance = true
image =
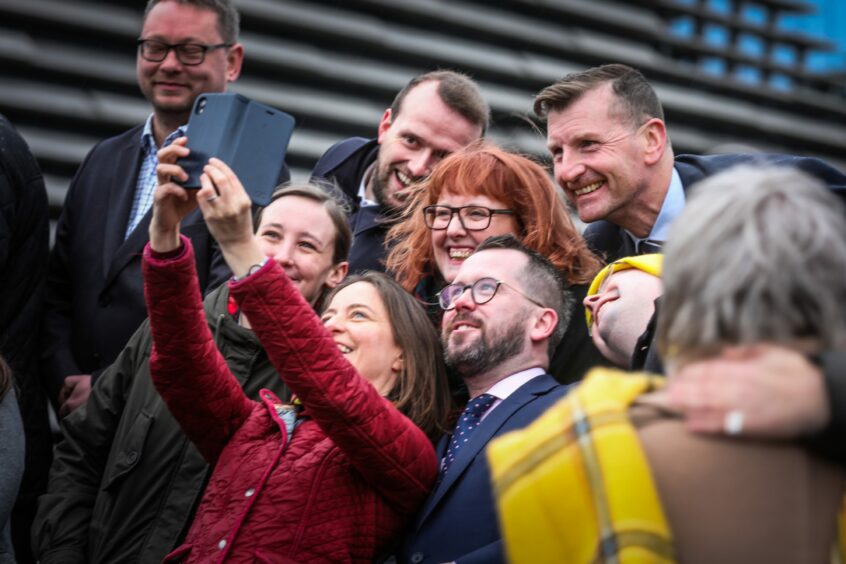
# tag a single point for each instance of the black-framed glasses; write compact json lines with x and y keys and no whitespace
{"x":482,"y":291}
{"x":190,"y":54}
{"x":472,"y":218}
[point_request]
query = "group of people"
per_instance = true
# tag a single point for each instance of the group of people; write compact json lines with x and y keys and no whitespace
{"x":415,"y":356}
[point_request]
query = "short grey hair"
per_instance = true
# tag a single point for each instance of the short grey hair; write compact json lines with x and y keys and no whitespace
{"x":758,"y":255}
{"x":228,"y":19}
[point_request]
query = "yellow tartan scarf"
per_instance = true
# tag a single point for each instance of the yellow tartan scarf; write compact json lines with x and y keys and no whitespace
{"x":575,"y":485}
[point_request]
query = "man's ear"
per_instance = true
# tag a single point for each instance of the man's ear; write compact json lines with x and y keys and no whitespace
{"x":336,"y":274}
{"x":234,"y":60}
{"x":654,"y":136}
{"x":384,"y":124}
{"x":544,"y":325}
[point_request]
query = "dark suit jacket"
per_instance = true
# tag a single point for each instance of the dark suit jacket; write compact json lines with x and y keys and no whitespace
{"x":344,"y":165}
{"x":95,"y":292}
{"x":610,"y":241}
{"x":458,"y":520}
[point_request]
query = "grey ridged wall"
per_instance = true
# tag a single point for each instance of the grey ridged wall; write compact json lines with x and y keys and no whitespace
{"x":67,"y":72}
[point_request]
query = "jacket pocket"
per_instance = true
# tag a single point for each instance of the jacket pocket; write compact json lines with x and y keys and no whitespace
{"x":130,"y":450}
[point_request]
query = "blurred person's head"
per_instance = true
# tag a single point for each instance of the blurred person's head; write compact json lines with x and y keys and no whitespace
{"x":479,"y":192}
{"x":387,"y":336}
{"x":305,"y":230}
{"x":757,"y":256}
{"x":609,"y":145}
{"x":619,"y":304}
{"x":435,"y":114}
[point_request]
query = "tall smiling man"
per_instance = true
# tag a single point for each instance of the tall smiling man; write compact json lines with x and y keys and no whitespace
{"x":95,"y":293}
{"x":612,"y":157}
{"x":434,"y":115}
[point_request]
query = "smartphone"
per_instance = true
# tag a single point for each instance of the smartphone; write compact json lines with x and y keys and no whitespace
{"x":250,"y":137}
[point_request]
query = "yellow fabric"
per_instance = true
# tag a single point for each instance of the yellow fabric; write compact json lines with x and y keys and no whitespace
{"x":651,"y":264}
{"x":577,"y":476}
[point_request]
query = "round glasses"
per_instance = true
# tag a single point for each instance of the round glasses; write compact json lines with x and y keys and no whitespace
{"x":482,"y":291}
{"x":186,"y":53}
{"x":472,"y":218}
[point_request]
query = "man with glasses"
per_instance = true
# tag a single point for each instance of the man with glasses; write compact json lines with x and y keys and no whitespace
{"x":501,"y":320}
{"x":95,"y":296}
{"x":434,"y":115}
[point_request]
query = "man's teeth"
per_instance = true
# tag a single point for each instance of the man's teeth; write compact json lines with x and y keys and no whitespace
{"x":405,"y":180}
{"x":344,"y":349}
{"x":587,"y":189}
{"x":460,"y":254}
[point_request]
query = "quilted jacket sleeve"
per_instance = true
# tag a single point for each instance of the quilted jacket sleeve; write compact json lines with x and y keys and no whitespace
{"x":383,"y":445}
{"x":187,"y":369}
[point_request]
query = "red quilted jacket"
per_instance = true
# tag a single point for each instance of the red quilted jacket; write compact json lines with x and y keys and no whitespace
{"x":355,"y":470}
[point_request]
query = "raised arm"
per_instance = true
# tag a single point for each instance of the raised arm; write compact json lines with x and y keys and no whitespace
{"x":187,"y":369}
{"x":384,"y":445}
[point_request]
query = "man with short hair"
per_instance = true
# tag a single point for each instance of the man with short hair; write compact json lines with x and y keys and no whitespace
{"x":435,"y":114}
{"x":612,"y":157}
{"x":620,"y":307}
{"x":95,"y":289}
{"x":125,"y":481}
{"x":507,"y":308}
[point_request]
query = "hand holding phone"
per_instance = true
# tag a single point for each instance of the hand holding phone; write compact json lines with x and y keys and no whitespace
{"x":251,"y":138}
{"x":171,"y":202}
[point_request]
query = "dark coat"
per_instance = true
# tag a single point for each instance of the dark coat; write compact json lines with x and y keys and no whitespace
{"x":344,"y":164}
{"x":611,"y":242}
{"x":24,"y":233}
{"x":126,"y":481}
{"x":458,"y":520}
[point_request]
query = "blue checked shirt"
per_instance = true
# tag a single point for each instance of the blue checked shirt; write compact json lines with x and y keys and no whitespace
{"x":147,"y":175}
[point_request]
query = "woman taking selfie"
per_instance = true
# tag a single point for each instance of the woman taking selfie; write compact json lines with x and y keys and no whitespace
{"x":332,"y":475}
{"x":480,"y":192}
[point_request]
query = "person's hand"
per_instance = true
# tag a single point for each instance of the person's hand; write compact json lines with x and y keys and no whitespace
{"x":74,"y":393}
{"x":761,"y":391}
{"x":227,"y":210}
{"x":171,"y":202}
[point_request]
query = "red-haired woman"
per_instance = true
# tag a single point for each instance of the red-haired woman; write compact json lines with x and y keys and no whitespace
{"x":480,"y":192}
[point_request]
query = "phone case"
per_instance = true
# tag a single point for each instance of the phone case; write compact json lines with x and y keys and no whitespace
{"x":250,"y":137}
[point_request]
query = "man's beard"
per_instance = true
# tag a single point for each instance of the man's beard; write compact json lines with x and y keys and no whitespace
{"x":487,"y":351}
{"x":379,"y":183}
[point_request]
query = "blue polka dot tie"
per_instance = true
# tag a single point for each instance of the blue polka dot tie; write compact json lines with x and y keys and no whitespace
{"x":467,"y":423}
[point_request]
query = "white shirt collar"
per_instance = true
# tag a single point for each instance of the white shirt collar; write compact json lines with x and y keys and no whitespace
{"x":671,"y":208}
{"x":362,"y":187}
{"x":510,"y":384}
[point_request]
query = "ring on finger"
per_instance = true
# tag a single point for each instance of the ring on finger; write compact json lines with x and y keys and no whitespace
{"x":733,"y":423}
{"x":213,"y":198}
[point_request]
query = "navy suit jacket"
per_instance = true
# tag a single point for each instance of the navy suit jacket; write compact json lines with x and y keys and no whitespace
{"x":95,"y":291}
{"x":610,"y":241}
{"x":458,"y":521}
{"x":344,"y":165}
